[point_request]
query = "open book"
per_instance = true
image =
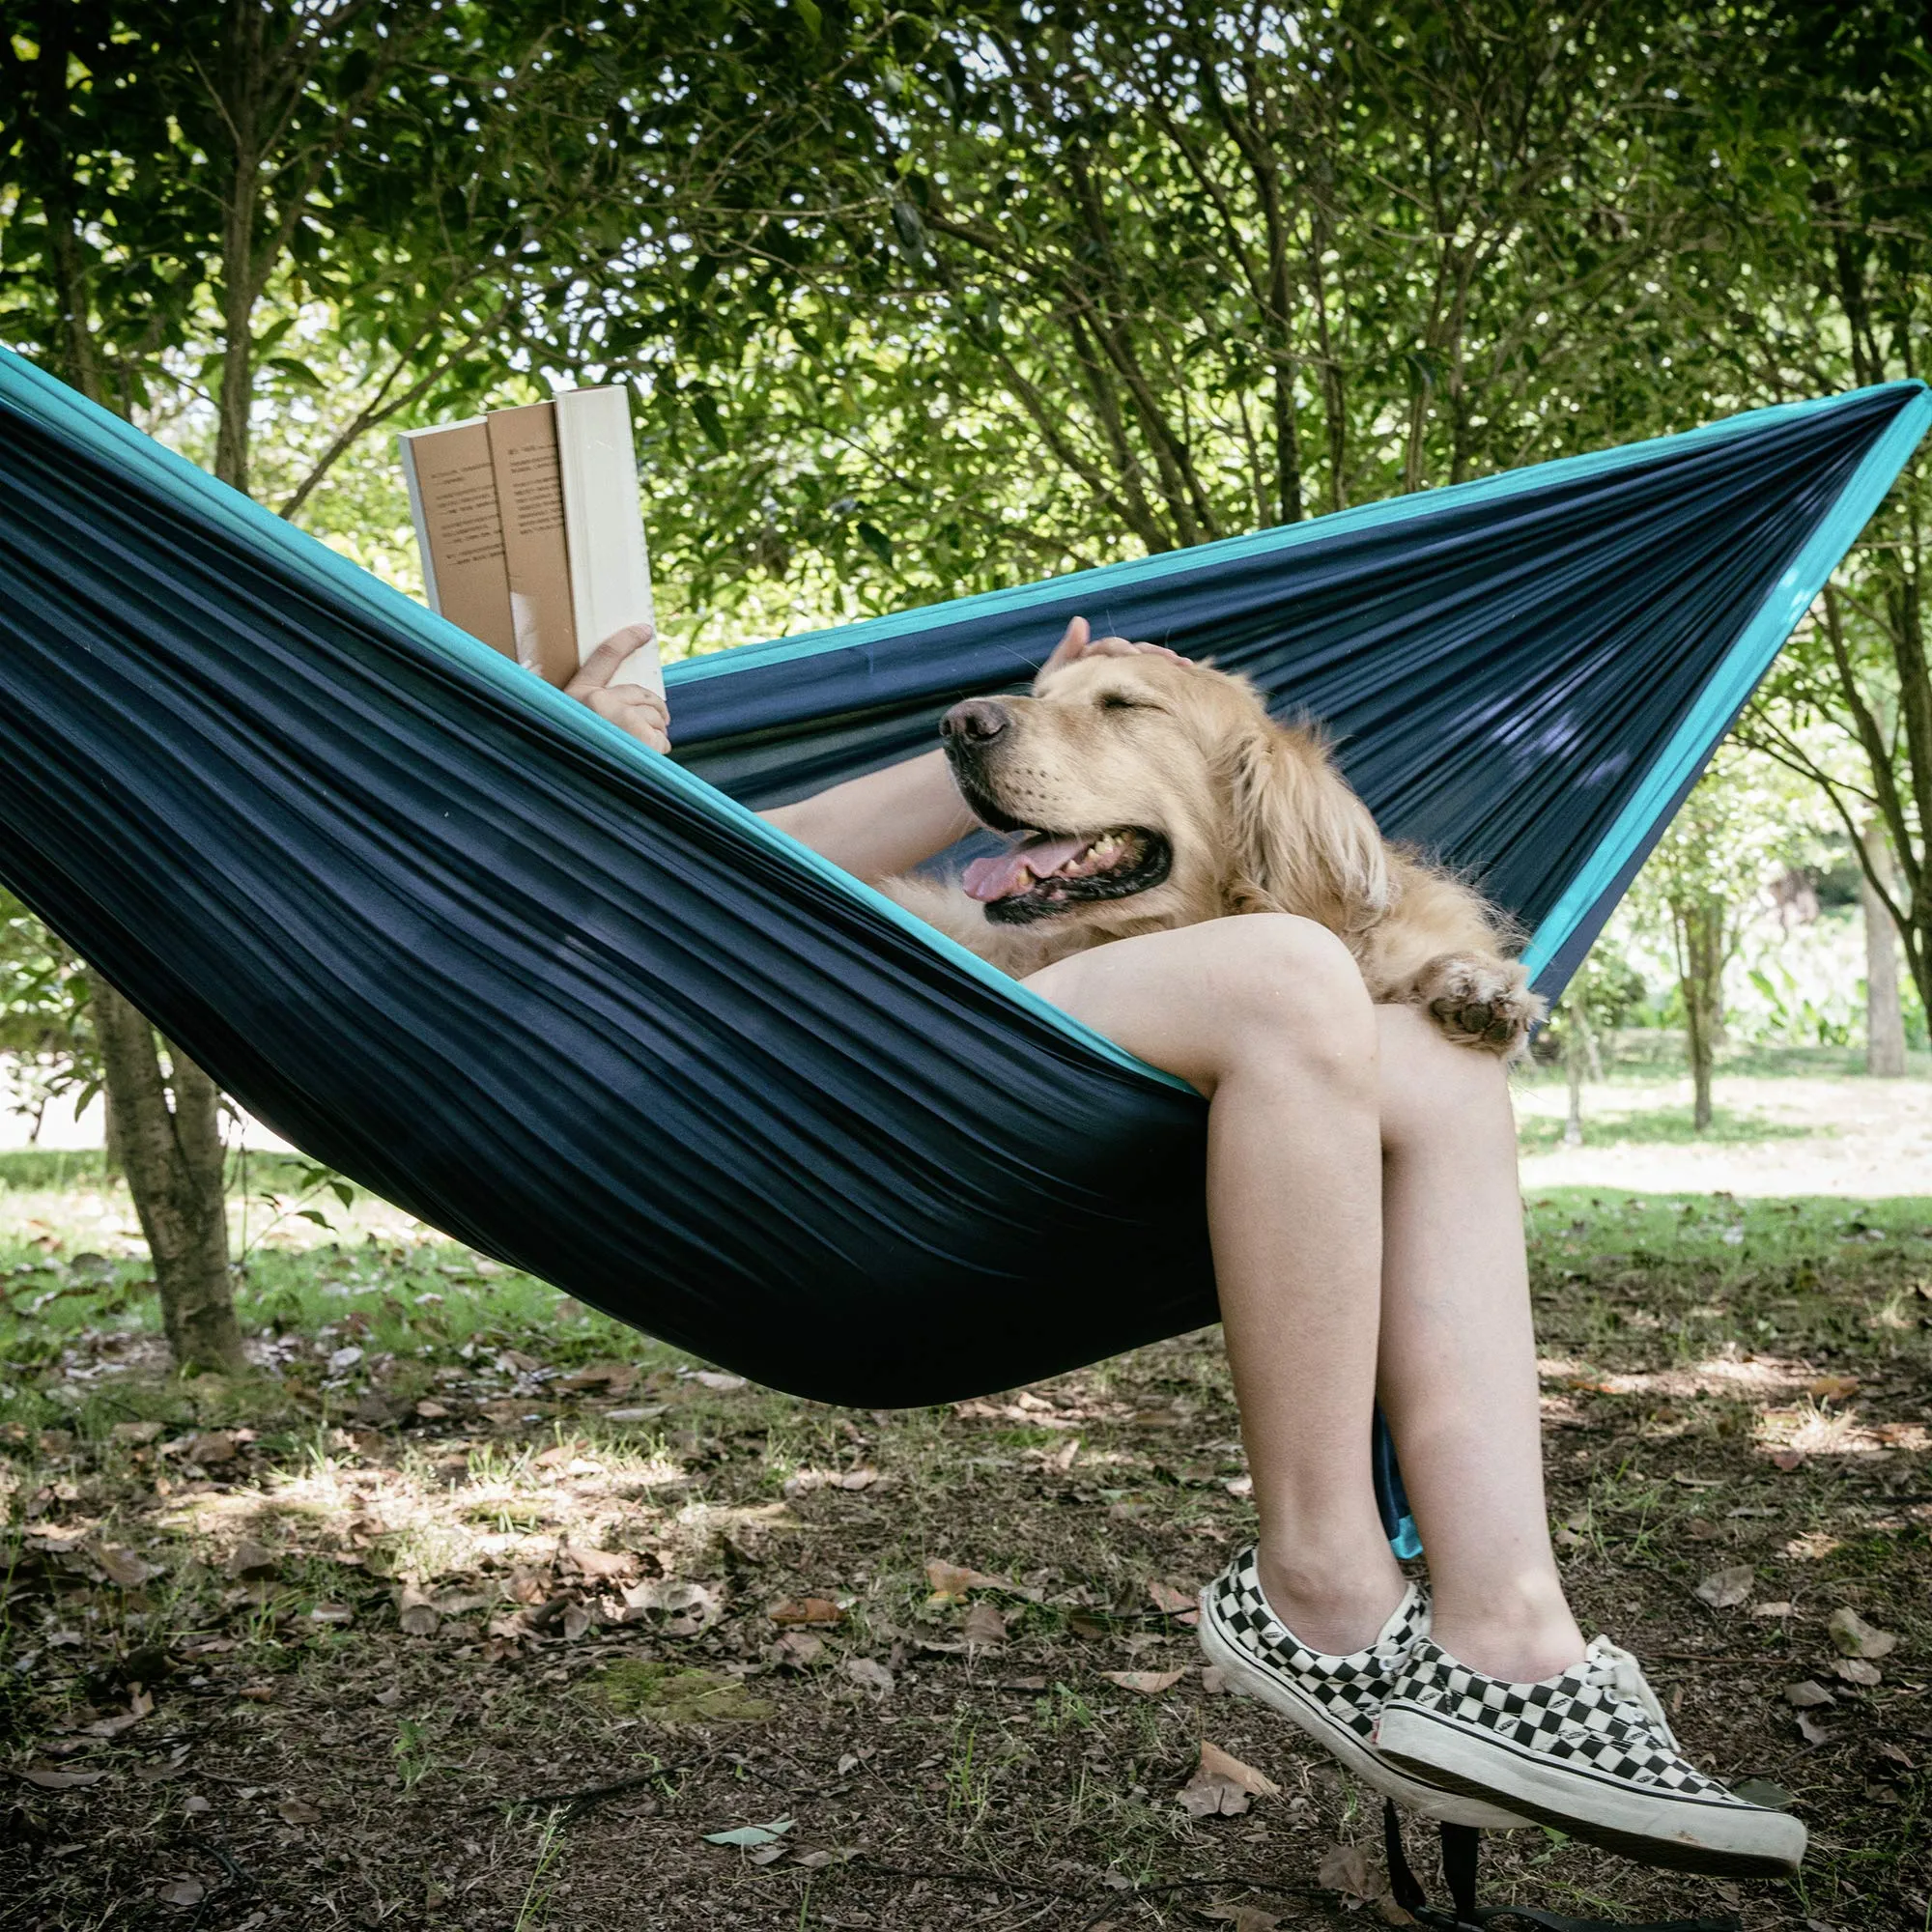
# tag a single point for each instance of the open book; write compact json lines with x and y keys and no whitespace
{"x":531,"y":532}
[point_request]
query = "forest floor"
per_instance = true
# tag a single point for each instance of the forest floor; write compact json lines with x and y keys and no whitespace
{"x":468,"y":1608}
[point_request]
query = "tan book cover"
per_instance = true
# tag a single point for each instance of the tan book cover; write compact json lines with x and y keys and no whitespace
{"x":529,"y":492}
{"x":453,"y":487}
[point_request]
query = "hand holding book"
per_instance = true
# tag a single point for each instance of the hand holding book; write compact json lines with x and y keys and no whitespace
{"x":531,"y":534}
{"x":637,"y":709}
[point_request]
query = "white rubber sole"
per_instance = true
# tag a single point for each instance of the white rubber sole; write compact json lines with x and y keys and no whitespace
{"x":1431,"y":1801}
{"x":1684,"y":1834}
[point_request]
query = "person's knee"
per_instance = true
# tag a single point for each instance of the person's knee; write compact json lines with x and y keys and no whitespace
{"x":1287,"y":982}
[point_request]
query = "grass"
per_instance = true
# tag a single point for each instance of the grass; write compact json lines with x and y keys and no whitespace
{"x":469,"y":1608}
{"x":1667,"y":1126}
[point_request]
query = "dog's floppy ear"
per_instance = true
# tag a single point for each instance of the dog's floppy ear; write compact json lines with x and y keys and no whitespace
{"x":1304,"y":841}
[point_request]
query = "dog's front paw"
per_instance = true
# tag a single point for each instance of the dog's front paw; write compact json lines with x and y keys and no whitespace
{"x":1479,"y":1002}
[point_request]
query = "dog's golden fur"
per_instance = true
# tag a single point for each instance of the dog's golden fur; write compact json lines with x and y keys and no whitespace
{"x":1255,"y":817}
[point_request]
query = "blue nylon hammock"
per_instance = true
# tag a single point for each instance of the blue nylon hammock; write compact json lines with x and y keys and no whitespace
{"x":579,"y":1006}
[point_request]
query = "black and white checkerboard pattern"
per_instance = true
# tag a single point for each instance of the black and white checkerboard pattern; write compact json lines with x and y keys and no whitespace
{"x":1580,"y":1719}
{"x":1349,"y":1690}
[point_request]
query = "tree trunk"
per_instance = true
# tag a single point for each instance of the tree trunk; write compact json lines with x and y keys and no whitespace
{"x":1884,"y":1017}
{"x":1575,"y":1059}
{"x":1700,"y":938}
{"x":168,"y":1135}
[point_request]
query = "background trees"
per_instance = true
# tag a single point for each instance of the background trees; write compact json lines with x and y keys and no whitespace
{"x":934,"y":298}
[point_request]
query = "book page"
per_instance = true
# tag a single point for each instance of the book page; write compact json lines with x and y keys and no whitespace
{"x":609,"y":569}
{"x":453,"y":497}
{"x":529,"y":489}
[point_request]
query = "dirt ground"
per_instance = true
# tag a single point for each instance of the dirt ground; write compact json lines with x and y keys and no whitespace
{"x":471,"y":1610}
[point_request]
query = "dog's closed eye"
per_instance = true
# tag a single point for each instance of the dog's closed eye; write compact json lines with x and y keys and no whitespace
{"x":1118,"y":701}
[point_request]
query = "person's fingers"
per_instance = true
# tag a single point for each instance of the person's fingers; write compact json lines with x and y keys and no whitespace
{"x":1129,"y":648}
{"x":1072,"y":644}
{"x":628,"y":700}
{"x":634,"y":709}
{"x":602,"y":665}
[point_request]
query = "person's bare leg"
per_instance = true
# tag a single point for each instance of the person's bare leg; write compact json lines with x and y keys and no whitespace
{"x":1268,"y":1017}
{"x":1457,"y":1379}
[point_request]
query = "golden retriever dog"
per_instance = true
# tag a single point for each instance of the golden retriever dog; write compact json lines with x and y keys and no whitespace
{"x":1145,"y":792}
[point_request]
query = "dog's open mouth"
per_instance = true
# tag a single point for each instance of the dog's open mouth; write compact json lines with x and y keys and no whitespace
{"x":1048,"y":872}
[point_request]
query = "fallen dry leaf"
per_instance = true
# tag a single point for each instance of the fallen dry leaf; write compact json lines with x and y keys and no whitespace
{"x":800,"y":1649}
{"x":1851,"y":1636}
{"x":1147,"y":1683}
{"x":1215,"y":1682}
{"x":416,"y":1611}
{"x":60,"y":1780}
{"x":1345,"y":1868}
{"x":1177,"y":1600}
{"x":250,"y":1561}
{"x":1811,"y":1730}
{"x":749,"y":1835}
{"x":298,"y":1811}
{"x":1856,"y":1670}
{"x":1724,"y":1589}
{"x":124,"y":1568}
{"x":258,"y":1693}
{"x":690,"y":1608}
{"x":1222,"y":1785}
{"x":715,"y":1379}
{"x":806,"y":1610}
{"x":112,"y":1727}
{"x":1832,"y":1388}
{"x":597,"y":1562}
{"x":1242,"y":1917}
{"x":951,"y":1581}
{"x":183,"y":1892}
{"x":431,"y":1411}
{"x":1807,"y":1695}
{"x":135,"y":1431}
{"x":616,"y":1378}
{"x":985,"y":1627}
{"x":1787,"y":1460}
{"x":213,"y":1445}
{"x":871,"y":1675}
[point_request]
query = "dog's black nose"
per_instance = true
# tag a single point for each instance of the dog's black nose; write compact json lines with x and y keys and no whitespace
{"x":976,"y":720}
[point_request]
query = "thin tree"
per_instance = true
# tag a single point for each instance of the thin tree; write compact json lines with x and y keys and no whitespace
{"x":179,"y":171}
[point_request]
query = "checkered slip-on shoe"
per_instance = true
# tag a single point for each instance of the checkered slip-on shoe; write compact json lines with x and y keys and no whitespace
{"x":1589,"y":1753}
{"x":1335,"y":1699}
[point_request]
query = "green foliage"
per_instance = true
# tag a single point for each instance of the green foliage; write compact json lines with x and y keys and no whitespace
{"x":44,"y":1029}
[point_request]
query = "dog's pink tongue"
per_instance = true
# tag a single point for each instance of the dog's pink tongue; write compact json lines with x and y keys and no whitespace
{"x":1009,"y":872}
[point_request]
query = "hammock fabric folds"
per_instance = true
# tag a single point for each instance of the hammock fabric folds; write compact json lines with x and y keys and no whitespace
{"x":577,"y":1006}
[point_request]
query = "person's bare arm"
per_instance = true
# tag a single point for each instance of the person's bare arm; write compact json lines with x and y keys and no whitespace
{"x":874,"y":827}
{"x":885,"y":823}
